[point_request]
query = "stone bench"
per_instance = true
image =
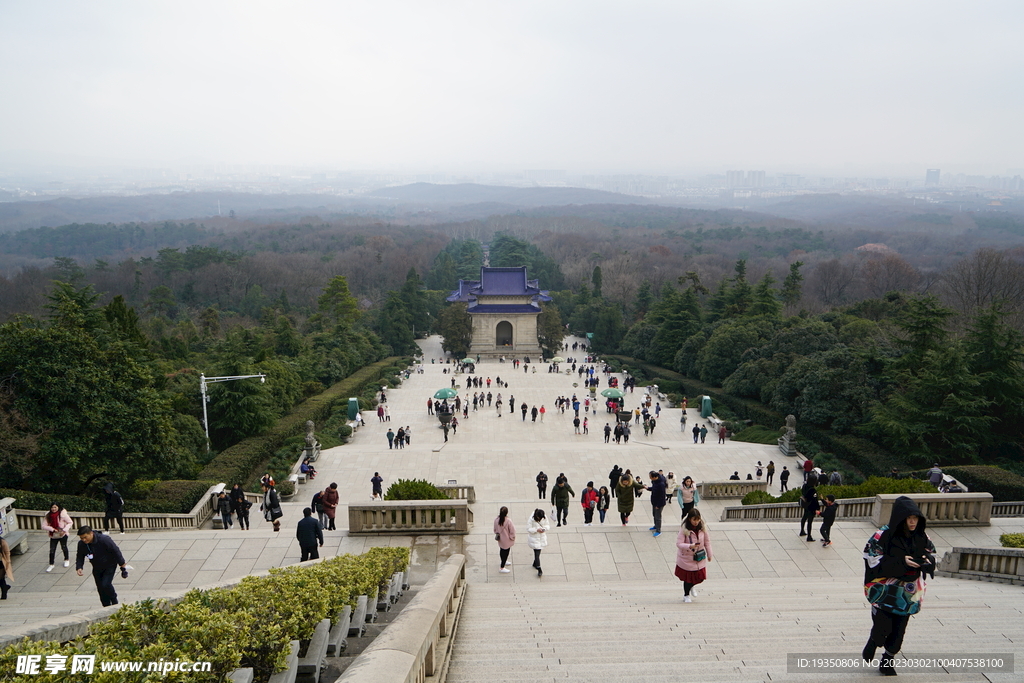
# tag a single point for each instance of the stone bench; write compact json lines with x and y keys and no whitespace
{"x":17,"y":541}
{"x":314,"y":661}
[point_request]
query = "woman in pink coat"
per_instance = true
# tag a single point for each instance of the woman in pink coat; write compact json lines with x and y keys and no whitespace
{"x":57,"y":524}
{"x":505,"y":533}
{"x":693,"y":542}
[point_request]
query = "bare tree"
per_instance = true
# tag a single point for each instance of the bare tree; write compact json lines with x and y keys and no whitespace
{"x":986,"y":277}
{"x":832,"y":281}
{"x":889,"y":273}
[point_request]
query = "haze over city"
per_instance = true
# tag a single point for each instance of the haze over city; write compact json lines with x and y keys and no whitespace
{"x":677,"y":88}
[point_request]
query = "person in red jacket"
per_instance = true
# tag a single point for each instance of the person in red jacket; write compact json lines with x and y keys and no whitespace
{"x":589,"y":502}
{"x":808,"y":466}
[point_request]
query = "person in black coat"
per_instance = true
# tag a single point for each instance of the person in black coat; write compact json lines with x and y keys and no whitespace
{"x":828,"y":518}
{"x":896,"y":558}
{"x":105,"y":557}
{"x":115,"y":507}
{"x":613,"y":478}
{"x":310,"y":535}
{"x":657,"y":489}
{"x":809,"y":500}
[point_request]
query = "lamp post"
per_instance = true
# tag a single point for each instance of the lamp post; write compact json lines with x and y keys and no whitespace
{"x":204,"y":380}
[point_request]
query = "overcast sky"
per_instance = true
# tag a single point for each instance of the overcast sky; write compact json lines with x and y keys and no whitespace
{"x":486,"y":85}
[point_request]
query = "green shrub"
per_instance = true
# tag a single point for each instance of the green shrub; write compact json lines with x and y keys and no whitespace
{"x":758,"y":498}
{"x":1012,"y":540}
{"x":757,"y":434}
{"x":414,"y":489}
{"x":178,"y":496}
{"x":1002,"y":484}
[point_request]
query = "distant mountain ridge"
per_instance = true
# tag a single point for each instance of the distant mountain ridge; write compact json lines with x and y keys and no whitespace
{"x":472,"y":193}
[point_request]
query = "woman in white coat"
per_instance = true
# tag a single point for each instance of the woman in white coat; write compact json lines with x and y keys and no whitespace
{"x":538,"y":528}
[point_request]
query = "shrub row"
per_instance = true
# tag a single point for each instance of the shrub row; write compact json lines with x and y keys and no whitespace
{"x":246,"y":459}
{"x":871,"y":487}
{"x":860,"y":456}
{"x":1002,"y":484}
{"x":166,"y":497}
{"x":249,"y":624}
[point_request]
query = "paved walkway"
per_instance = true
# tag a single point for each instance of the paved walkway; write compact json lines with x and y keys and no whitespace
{"x":500,"y":456}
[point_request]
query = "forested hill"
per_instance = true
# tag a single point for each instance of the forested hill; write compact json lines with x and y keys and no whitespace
{"x":471,"y":193}
{"x":159,"y":207}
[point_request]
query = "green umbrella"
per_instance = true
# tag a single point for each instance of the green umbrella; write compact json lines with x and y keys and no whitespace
{"x":612,"y":393}
{"x":557,"y":359}
{"x":445,"y":393}
{"x":468,"y":360}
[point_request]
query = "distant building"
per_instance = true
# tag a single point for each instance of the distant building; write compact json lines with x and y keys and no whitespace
{"x":931,"y":176}
{"x":504,"y":304}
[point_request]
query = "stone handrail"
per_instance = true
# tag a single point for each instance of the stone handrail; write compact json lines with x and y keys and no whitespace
{"x":1008,"y":509}
{"x":457,"y":492}
{"x":410,"y":517}
{"x":940,"y":509}
{"x":32,"y":520}
{"x":417,"y":645}
{"x":849,"y":508}
{"x":729,"y":489}
{"x":1002,"y":565}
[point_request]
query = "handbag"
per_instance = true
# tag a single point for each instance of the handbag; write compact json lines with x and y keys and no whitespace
{"x":497,"y":537}
{"x":700,"y":555}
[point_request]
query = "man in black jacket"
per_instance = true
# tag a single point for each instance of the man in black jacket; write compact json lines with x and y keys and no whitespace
{"x":115,"y":507}
{"x":105,"y":557}
{"x":310,"y":535}
{"x":809,"y":501}
{"x":657,"y":489}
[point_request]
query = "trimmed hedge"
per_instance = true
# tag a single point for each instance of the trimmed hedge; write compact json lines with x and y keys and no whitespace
{"x":1012,"y":540}
{"x":1002,"y":484}
{"x":170,"y":496}
{"x":757,"y":434}
{"x":249,"y":624}
{"x":871,"y":487}
{"x":414,"y":489}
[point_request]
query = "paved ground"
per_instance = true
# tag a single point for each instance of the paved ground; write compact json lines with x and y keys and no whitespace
{"x":500,"y":456}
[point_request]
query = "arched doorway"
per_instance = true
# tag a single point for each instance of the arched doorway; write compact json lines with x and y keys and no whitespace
{"x":503,"y":334}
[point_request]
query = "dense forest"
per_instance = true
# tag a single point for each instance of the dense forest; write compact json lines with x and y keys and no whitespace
{"x":909,"y":339}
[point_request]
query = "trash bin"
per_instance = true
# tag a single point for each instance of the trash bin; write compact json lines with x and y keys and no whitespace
{"x":353,"y":408}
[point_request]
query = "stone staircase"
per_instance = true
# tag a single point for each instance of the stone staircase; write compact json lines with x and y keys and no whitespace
{"x":734,"y":630}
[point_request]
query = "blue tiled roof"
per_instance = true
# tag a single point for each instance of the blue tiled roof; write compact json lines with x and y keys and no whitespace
{"x":504,"y":308}
{"x":503,"y":282}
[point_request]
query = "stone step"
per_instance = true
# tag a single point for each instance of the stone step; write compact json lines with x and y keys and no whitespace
{"x":740,"y":630}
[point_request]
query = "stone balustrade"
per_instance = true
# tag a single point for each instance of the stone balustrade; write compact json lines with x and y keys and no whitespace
{"x":1008,"y":509}
{"x":417,"y":645}
{"x":940,"y":509}
{"x":729,"y":489}
{"x":859,"y":509}
{"x":202,"y":512}
{"x":410,"y":517}
{"x":457,"y":492}
{"x":1002,"y":565}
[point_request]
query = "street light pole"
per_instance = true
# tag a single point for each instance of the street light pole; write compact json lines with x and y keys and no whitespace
{"x":204,"y":380}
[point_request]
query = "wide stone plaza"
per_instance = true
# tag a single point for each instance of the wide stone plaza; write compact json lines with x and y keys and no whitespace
{"x":608,"y":606}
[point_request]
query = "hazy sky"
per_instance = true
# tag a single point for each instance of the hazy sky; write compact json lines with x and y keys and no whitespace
{"x":577,"y":85}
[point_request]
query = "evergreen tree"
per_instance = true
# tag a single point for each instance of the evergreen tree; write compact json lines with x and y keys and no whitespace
{"x":765,"y":302}
{"x":597,"y":279}
{"x":790,"y":293}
